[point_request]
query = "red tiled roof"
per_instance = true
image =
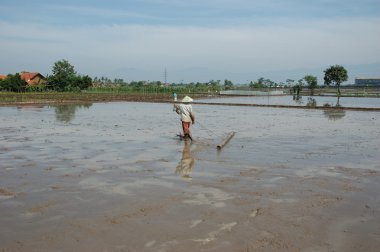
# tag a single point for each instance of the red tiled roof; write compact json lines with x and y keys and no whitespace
{"x":2,"y":76}
{"x":28,"y":76}
{"x":32,"y":78}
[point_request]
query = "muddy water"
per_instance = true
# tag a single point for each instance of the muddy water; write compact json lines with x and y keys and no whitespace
{"x":114,"y":177}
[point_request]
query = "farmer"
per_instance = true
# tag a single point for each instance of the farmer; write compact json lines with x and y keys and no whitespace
{"x":185,"y":110}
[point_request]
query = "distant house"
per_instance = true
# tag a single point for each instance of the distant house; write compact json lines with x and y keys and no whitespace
{"x":33,"y":78}
{"x":30,"y":78}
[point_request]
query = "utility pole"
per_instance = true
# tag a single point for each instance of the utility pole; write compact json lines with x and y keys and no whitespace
{"x":165,"y":77}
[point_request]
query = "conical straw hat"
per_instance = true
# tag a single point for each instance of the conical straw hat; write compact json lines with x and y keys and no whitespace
{"x":187,"y":99}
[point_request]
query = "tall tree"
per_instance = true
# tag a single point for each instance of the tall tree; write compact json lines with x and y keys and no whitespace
{"x":312,"y":83}
{"x":65,"y":78}
{"x":63,"y":75}
{"x":260,"y":81}
{"x":335,"y":75}
{"x":63,"y":67}
{"x":228,"y":84}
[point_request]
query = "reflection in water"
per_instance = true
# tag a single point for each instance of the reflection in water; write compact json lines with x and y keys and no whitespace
{"x":185,"y":166}
{"x":298,"y":99}
{"x":31,"y":107}
{"x":65,"y":113}
{"x":311,"y":102}
{"x":334,"y":113}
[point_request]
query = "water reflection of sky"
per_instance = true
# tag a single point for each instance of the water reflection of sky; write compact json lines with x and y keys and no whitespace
{"x":122,"y":133}
{"x":362,"y":102}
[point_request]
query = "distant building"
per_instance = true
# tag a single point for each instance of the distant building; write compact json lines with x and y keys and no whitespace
{"x":2,"y":76}
{"x":372,"y":82}
{"x":32,"y":78}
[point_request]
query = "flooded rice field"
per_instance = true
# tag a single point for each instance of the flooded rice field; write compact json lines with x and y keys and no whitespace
{"x":288,"y":100}
{"x":115,"y":177}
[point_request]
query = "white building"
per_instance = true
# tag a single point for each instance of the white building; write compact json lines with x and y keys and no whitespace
{"x":363,"y":81}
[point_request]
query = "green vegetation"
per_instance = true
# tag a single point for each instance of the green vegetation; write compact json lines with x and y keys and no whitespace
{"x":156,"y":87}
{"x":263,"y":83}
{"x":312,"y":83}
{"x":335,"y":75}
{"x":65,"y":78}
{"x":65,"y":84}
{"x":13,"y":83}
{"x":228,"y":84}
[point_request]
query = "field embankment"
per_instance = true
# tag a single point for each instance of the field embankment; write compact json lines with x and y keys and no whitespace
{"x":7,"y":98}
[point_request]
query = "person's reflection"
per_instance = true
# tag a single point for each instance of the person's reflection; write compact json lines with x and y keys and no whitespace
{"x":186,"y":164}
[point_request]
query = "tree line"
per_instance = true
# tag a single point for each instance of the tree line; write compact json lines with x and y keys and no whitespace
{"x":65,"y":78}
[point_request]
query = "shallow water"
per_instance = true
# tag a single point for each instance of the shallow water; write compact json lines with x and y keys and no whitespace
{"x":113,"y":176}
{"x":357,"y":102}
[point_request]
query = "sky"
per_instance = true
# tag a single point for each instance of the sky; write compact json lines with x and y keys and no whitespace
{"x":192,"y":40}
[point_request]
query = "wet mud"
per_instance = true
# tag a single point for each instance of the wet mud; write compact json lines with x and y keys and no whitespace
{"x":114,"y":177}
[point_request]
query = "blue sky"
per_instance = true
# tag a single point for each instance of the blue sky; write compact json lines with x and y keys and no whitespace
{"x":198,"y":40}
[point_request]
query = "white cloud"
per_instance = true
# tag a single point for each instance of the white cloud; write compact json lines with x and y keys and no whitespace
{"x":281,"y":46}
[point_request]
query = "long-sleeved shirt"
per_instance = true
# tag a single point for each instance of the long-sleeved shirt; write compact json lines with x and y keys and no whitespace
{"x":184,"y":111}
